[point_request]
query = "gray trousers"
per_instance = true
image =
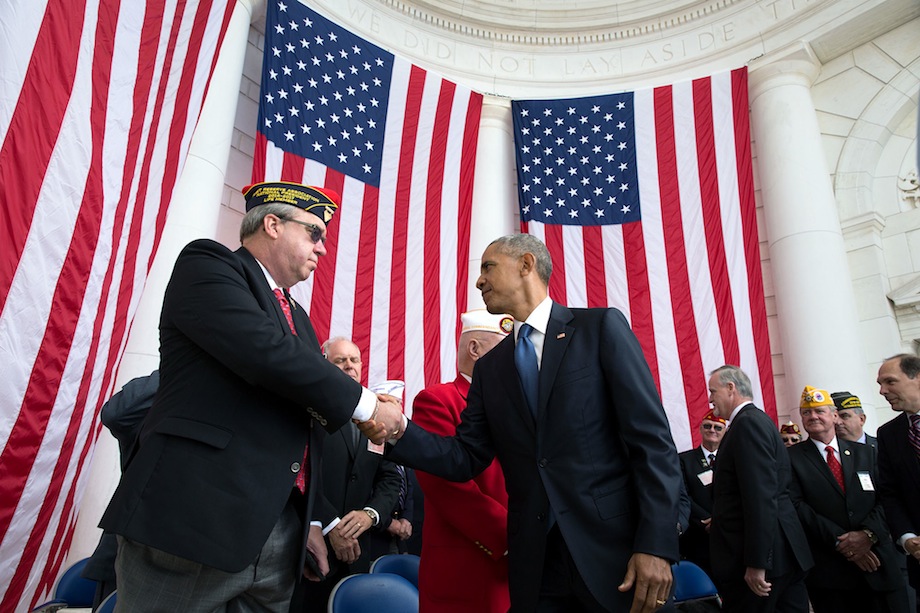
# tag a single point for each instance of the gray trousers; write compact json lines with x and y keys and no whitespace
{"x":153,"y":581}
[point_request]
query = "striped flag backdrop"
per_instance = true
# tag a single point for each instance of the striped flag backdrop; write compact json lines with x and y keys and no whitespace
{"x":399,"y":143}
{"x":98,"y":102}
{"x":646,"y":202}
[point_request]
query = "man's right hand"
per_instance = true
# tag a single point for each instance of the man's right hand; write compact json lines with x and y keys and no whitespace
{"x":387,"y":422}
{"x":346,"y":549}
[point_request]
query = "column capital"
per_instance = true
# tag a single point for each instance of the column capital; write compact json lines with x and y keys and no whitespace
{"x":794,"y":64}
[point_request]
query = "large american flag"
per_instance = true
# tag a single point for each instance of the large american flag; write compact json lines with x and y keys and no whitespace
{"x":645,"y":200}
{"x":399,"y":144}
{"x":98,"y":101}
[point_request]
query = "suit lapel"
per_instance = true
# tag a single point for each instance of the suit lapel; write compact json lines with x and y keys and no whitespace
{"x":820,"y":465}
{"x":558,"y":335}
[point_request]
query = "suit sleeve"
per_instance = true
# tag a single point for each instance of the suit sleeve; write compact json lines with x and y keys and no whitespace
{"x":124,"y":412}
{"x":214,"y":301}
{"x":890,"y":488}
{"x":646,"y":435}
{"x":469,"y":510}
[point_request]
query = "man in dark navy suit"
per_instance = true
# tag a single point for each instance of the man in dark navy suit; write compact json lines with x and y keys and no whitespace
{"x":569,"y":407}
{"x":758,"y":548}
{"x":899,"y":457}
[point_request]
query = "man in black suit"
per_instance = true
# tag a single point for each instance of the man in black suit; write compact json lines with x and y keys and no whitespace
{"x":758,"y":548}
{"x":851,"y":419}
{"x":898,"y":463}
{"x":833,"y":489}
{"x":214,"y":506}
{"x":359,"y":493}
{"x":697,"y":467}
{"x":589,"y":464}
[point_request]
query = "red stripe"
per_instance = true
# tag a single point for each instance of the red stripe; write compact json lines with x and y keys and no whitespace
{"x":712,"y":223}
{"x":364,"y":275}
{"x":431,"y":283}
{"x":553,"y":240}
{"x":595,"y":273}
{"x":751,"y":240}
{"x":23,"y":444}
{"x":292,"y":168}
{"x":26,"y":150}
{"x":324,"y":275}
{"x":464,"y":218}
{"x":688,"y":344}
{"x":405,"y":176}
{"x":259,"y":158}
{"x":640,"y":299}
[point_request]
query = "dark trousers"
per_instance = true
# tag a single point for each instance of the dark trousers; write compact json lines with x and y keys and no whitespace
{"x":788,"y":595}
{"x":860,"y":600}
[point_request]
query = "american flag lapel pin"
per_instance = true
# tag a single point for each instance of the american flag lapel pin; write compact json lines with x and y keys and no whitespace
{"x":560,"y":335}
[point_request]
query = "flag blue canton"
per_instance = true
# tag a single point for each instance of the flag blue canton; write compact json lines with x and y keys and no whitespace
{"x":324,"y":92}
{"x":576,"y":160}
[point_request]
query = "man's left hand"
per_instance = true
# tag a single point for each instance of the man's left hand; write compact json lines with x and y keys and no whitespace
{"x":316,"y":545}
{"x":652,"y":579}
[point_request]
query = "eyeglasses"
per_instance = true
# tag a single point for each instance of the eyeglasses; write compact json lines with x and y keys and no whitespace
{"x":715,"y":427}
{"x":790,"y":439}
{"x":316,"y":233}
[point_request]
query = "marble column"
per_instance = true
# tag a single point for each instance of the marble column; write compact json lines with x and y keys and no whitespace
{"x":193,"y":215}
{"x":494,"y":195}
{"x":815,"y":302}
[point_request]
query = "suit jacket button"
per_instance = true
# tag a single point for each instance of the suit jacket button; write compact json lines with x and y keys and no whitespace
{"x":543,"y":463}
{"x":295,"y":467}
{"x":541,"y":516}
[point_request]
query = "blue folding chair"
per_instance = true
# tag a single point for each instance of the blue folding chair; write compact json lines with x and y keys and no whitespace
{"x":692,"y":584}
{"x":402,"y":564}
{"x":71,"y":591}
{"x":108,"y":605}
{"x":373,"y":593}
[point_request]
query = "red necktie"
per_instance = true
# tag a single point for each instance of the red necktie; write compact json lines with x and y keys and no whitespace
{"x":301,"y":480}
{"x":913,"y":433}
{"x":834,"y":464}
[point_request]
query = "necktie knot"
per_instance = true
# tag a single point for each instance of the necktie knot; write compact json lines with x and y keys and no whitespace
{"x":526,"y":329}
{"x":712,"y":459}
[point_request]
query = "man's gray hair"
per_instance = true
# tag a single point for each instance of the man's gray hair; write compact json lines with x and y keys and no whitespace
{"x":335,"y":339}
{"x":733,"y":374}
{"x":516,"y":245}
{"x":252,"y":221}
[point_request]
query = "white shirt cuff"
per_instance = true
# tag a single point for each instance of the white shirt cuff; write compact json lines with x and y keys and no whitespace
{"x":366,"y":404}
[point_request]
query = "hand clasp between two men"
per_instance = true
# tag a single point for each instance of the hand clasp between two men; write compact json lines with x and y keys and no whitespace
{"x":386,"y":422}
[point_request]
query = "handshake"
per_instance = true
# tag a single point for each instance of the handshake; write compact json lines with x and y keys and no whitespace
{"x":387,"y":422}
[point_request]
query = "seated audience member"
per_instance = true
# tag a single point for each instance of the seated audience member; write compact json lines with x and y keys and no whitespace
{"x":359,"y":493}
{"x":697,"y":467}
{"x":833,"y":488}
{"x":851,"y":419}
{"x":790,"y":433}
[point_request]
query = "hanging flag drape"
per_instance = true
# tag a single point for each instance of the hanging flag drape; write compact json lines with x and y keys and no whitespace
{"x":98,"y":102}
{"x":645,"y":200}
{"x":399,"y":144}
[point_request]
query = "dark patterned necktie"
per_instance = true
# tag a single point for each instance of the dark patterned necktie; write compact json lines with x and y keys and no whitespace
{"x":712,"y":460}
{"x":834,"y":464}
{"x":303,"y":473}
{"x":913,"y":433}
{"x":525,"y":360}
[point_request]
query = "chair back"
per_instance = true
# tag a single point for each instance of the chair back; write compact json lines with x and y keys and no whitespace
{"x":692,"y":583}
{"x":71,"y":590}
{"x":402,"y":564}
{"x":108,"y":605}
{"x":373,"y":593}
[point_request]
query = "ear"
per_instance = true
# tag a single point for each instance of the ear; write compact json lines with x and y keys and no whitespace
{"x":271,"y":225}
{"x":527,"y":263}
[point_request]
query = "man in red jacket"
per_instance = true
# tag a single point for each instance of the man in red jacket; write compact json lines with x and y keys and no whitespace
{"x":464,"y":568}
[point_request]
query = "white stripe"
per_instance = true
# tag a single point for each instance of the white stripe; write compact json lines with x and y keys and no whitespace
{"x":617,"y":288}
{"x":576,"y":290}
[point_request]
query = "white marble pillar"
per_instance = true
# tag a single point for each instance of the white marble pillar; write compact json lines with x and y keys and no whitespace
{"x":192,"y":216}
{"x":494,"y":195}
{"x":815,"y":301}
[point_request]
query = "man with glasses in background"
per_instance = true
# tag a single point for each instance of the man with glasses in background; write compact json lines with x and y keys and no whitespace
{"x":697,"y":466}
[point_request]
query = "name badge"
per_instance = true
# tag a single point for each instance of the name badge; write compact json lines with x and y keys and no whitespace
{"x":705,"y":477}
{"x":865,"y":480}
